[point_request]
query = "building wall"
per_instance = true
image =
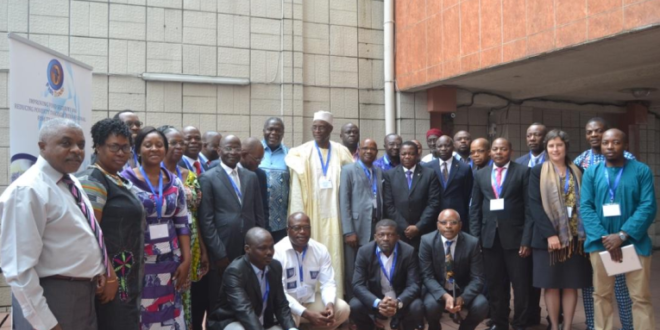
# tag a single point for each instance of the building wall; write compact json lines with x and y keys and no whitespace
{"x":439,"y":39}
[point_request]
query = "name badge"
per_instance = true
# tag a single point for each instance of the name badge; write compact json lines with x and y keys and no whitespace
{"x":291,"y":285}
{"x":569,"y":210}
{"x":325,"y":183}
{"x":158,"y":231}
{"x":497,"y":204}
{"x":290,"y":272}
{"x":302,"y":291}
{"x":611,"y":210}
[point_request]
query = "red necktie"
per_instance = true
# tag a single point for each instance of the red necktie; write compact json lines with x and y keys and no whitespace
{"x":198,"y":168}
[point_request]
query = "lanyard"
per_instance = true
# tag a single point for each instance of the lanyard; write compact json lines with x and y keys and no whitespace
{"x":233,"y":184}
{"x":300,"y":264}
{"x":178,"y":171}
{"x":192,"y":168}
{"x":612,"y":189}
{"x":497,"y":189}
{"x":567,"y":181}
{"x":158,"y":197}
{"x":325,"y":166}
{"x":374,"y":183}
{"x":382,"y":267}
{"x":265,"y":296}
{"x":471,"y":163}
{"x":203,"y":159}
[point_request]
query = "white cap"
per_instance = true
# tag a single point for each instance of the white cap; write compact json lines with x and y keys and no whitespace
{"x":323,"y":115}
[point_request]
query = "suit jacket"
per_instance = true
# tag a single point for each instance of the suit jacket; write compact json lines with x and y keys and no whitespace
{"x":367,"y":276}
{"x":458,"y":189}
{"x":419,"y":205}
{"x":223,"y":219}
{"x":263,"y":186}
{"x":355,"y":201}
{"x":524,"y":159}
{"x":205,"y":166}
{"x":514,"y":223}
{"x":241,"y":299}
{"x":468,"y":266}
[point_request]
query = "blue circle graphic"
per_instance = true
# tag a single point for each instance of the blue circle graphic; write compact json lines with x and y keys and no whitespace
{"x":55,"y":74}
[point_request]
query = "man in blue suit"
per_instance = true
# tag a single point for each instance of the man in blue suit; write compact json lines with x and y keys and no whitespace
{"x":455,"y":179}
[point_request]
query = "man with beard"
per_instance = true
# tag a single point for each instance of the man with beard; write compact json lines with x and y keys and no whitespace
{"x":53,"y":252}
{"x":230,"y":206}
{"x":391,"y":158}
{"x":432,"y":135}
{"x":278,"y":176}
{"x":252,"y":296}
{"x":361,"y":205}
{"x":350,"y":137}
{"x":191,"y":159}
{"x":479,"y":154}
{"x":462,"y":140}
{"x":210,"y":143}
{"x":315,"y":174}
{"x":536,"y":155}
{"x":306,"y":265}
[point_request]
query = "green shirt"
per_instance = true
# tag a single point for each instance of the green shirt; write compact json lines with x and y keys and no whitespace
{"x":635,"y":195}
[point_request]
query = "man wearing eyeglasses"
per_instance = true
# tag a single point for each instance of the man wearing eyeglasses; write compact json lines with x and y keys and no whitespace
{"x":307,"y":263}
{"x":453,"y":273}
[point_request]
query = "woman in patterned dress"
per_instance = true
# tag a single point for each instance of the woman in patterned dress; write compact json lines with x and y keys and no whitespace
{"x":200,"y":261}
{"x":167,"y":237}
{"x":121,"y":217}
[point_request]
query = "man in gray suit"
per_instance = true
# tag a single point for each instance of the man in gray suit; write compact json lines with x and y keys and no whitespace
{"x":230,"y":206}
{"x":360,"y":204}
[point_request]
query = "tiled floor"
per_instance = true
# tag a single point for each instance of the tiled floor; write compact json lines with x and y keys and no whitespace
{"x":578,"y":323}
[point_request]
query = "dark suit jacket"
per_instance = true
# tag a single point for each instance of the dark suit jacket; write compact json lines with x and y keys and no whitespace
{"x":222,"y":218}
{"x":183,"y":164}
{"x":458,"y":190}
{"x":514,"y":223}
{"x":468,"y":266}
{"x":241,"y":299}
{"x":366,"y":279}
{"x":543,"y":227}
{"x":263,"y":186}
{"x":355,"y":201}
{"x":524,"y":159}
{"x":419,"y":205}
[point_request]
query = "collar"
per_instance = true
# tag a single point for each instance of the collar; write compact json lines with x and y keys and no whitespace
{"x":396,"y":247}
{"x":406,"y":170}
{"x":531,"y":155}
{"x":286,"y":244}
{"x":444,"y":240}
{"x":506,"y":166}
{"x":192,"y":161}
{"x":229,"y":169}
{"x":257,"y":270}
{"x":48,"y":170}
{"x":268,"y":149}
{"x":448,"y":161}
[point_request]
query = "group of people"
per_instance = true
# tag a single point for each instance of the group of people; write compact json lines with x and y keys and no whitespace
{"x":174,"y":229}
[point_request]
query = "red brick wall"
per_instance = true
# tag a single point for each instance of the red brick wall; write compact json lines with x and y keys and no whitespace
{"x":439,"y":39}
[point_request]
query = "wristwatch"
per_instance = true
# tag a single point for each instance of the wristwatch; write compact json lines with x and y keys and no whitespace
{"x":399,"y":304}
{"x":623,"y":236}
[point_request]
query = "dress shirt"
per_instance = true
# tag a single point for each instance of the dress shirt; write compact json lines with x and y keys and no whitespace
{"x":412,"y":169}
{"x":428,"y":158}
{"x":506,"y":169}
{"x":384,"y":163}
{"x":317,"y":262}
{"x":228,"y":170}
{"x":534,"y":160}
{"x":44,"y":233}
{"x":449,"y":162}
{"x":192,"y":162}
{"x":261,"y":277}
{"x":584,"y":159}
{"x":452,"y":247}
{"x":274,"y":159}
{"x":386,"y":287}
{"x":278,"y":178}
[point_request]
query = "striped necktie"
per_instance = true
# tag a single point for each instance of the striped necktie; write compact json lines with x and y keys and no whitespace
{"x":90,"y":219}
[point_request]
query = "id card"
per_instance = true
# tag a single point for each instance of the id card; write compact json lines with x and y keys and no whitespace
{"x":611,"y":210}
{"x":158,"y":231}
{"x":569,"y":210}
{"x":325,"y":183}
{"x":497,"y":204}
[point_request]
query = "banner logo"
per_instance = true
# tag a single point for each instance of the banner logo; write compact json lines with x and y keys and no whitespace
{"x":55,"y":78}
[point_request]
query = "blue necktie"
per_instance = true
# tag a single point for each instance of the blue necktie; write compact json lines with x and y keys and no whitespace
{"x":409,"y":177}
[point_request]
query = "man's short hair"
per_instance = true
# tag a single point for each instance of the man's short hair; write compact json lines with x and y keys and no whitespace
{"x":385,"y":223}
{"x":411,"y":144}
{"x":122,"y":112}
{"x":51,"y":126}
{"x":599,"y":120}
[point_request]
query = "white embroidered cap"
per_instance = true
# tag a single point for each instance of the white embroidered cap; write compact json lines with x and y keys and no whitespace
{"x":323,"y":115}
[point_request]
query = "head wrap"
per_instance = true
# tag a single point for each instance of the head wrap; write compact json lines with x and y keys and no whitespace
{"x":323,"y":115}
{"x":433,"y":131}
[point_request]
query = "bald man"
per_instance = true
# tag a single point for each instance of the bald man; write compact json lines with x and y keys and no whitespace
{"x":251,"y":156}
{"x":350,"y":138}
{"x":191,"y":160}
{"x":479,"y":154}
{"x":230,"y":206}
{"x":252,"y":296}
{"x":210,"y":143}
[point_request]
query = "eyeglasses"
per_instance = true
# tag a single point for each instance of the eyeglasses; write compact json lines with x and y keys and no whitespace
{"x":445,"y":222}
{"x":126,"y":148}
{"x":137,"y":124}
{"x":300,"y":228}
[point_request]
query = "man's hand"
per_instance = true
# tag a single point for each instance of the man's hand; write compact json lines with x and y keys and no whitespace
{"x":411,"y":232}
{"x":616,"y":255}
{"x":351,"y":240}
{"x":612,"y":242}
{"x":524,"y":251}
{"x":222,"y":265}
{"x":553,"y":243}
{"x":203,"y":262}
{"x":330,"y":311}
{"x":458,"y":304}
{"x":100,"y":283}
{"x":449,"y":303}
{"x":387,"y":307}
{"x":317,"y":319}
{"x":109,"y":292}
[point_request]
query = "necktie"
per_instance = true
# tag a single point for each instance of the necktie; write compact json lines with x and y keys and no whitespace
{"x":445,"y":174}
{"x":90,"y":219}
{"x":499,"y":176}
{"x":198,"y":167}
{"x":449,"y":262}
{"x":409,"y":177}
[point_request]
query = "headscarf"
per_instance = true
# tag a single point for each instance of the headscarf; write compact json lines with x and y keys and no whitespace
{"x":433,"y":131}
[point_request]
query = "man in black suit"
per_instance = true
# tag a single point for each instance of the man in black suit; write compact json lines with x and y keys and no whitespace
{"x":251,"y":156}
{"x":500,"y":216}
{"x":386,"y":283}
{"x":252,"y":296}
{"x":536,"y":155}
{"x":479,"y":156}
{"x":191,"y":159}
{"x":447,"y":256}
{"x":411,"y":194}
{"x":455,"y":179}
{"x":230,"y":206}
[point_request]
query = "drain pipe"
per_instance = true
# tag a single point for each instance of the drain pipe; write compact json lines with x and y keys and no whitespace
{"x":388,"y":60}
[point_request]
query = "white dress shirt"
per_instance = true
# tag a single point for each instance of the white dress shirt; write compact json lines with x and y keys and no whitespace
{"x":427,"y":159}
{"x":261,"y":277}
{"x":452,"y":247}
{"x":412,"y":169}
{"x":494,"y":174}
{"x":44,"y":233}
{"x":317,"y":268}
{"x":385,"y":285}
{"x":449,"y":162}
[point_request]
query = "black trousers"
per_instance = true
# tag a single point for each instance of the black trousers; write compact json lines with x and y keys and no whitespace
{"x":477,"y":311}
{"x":200,"y":298}
{"x":506,"y":268}
{"x":410,"y":317}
